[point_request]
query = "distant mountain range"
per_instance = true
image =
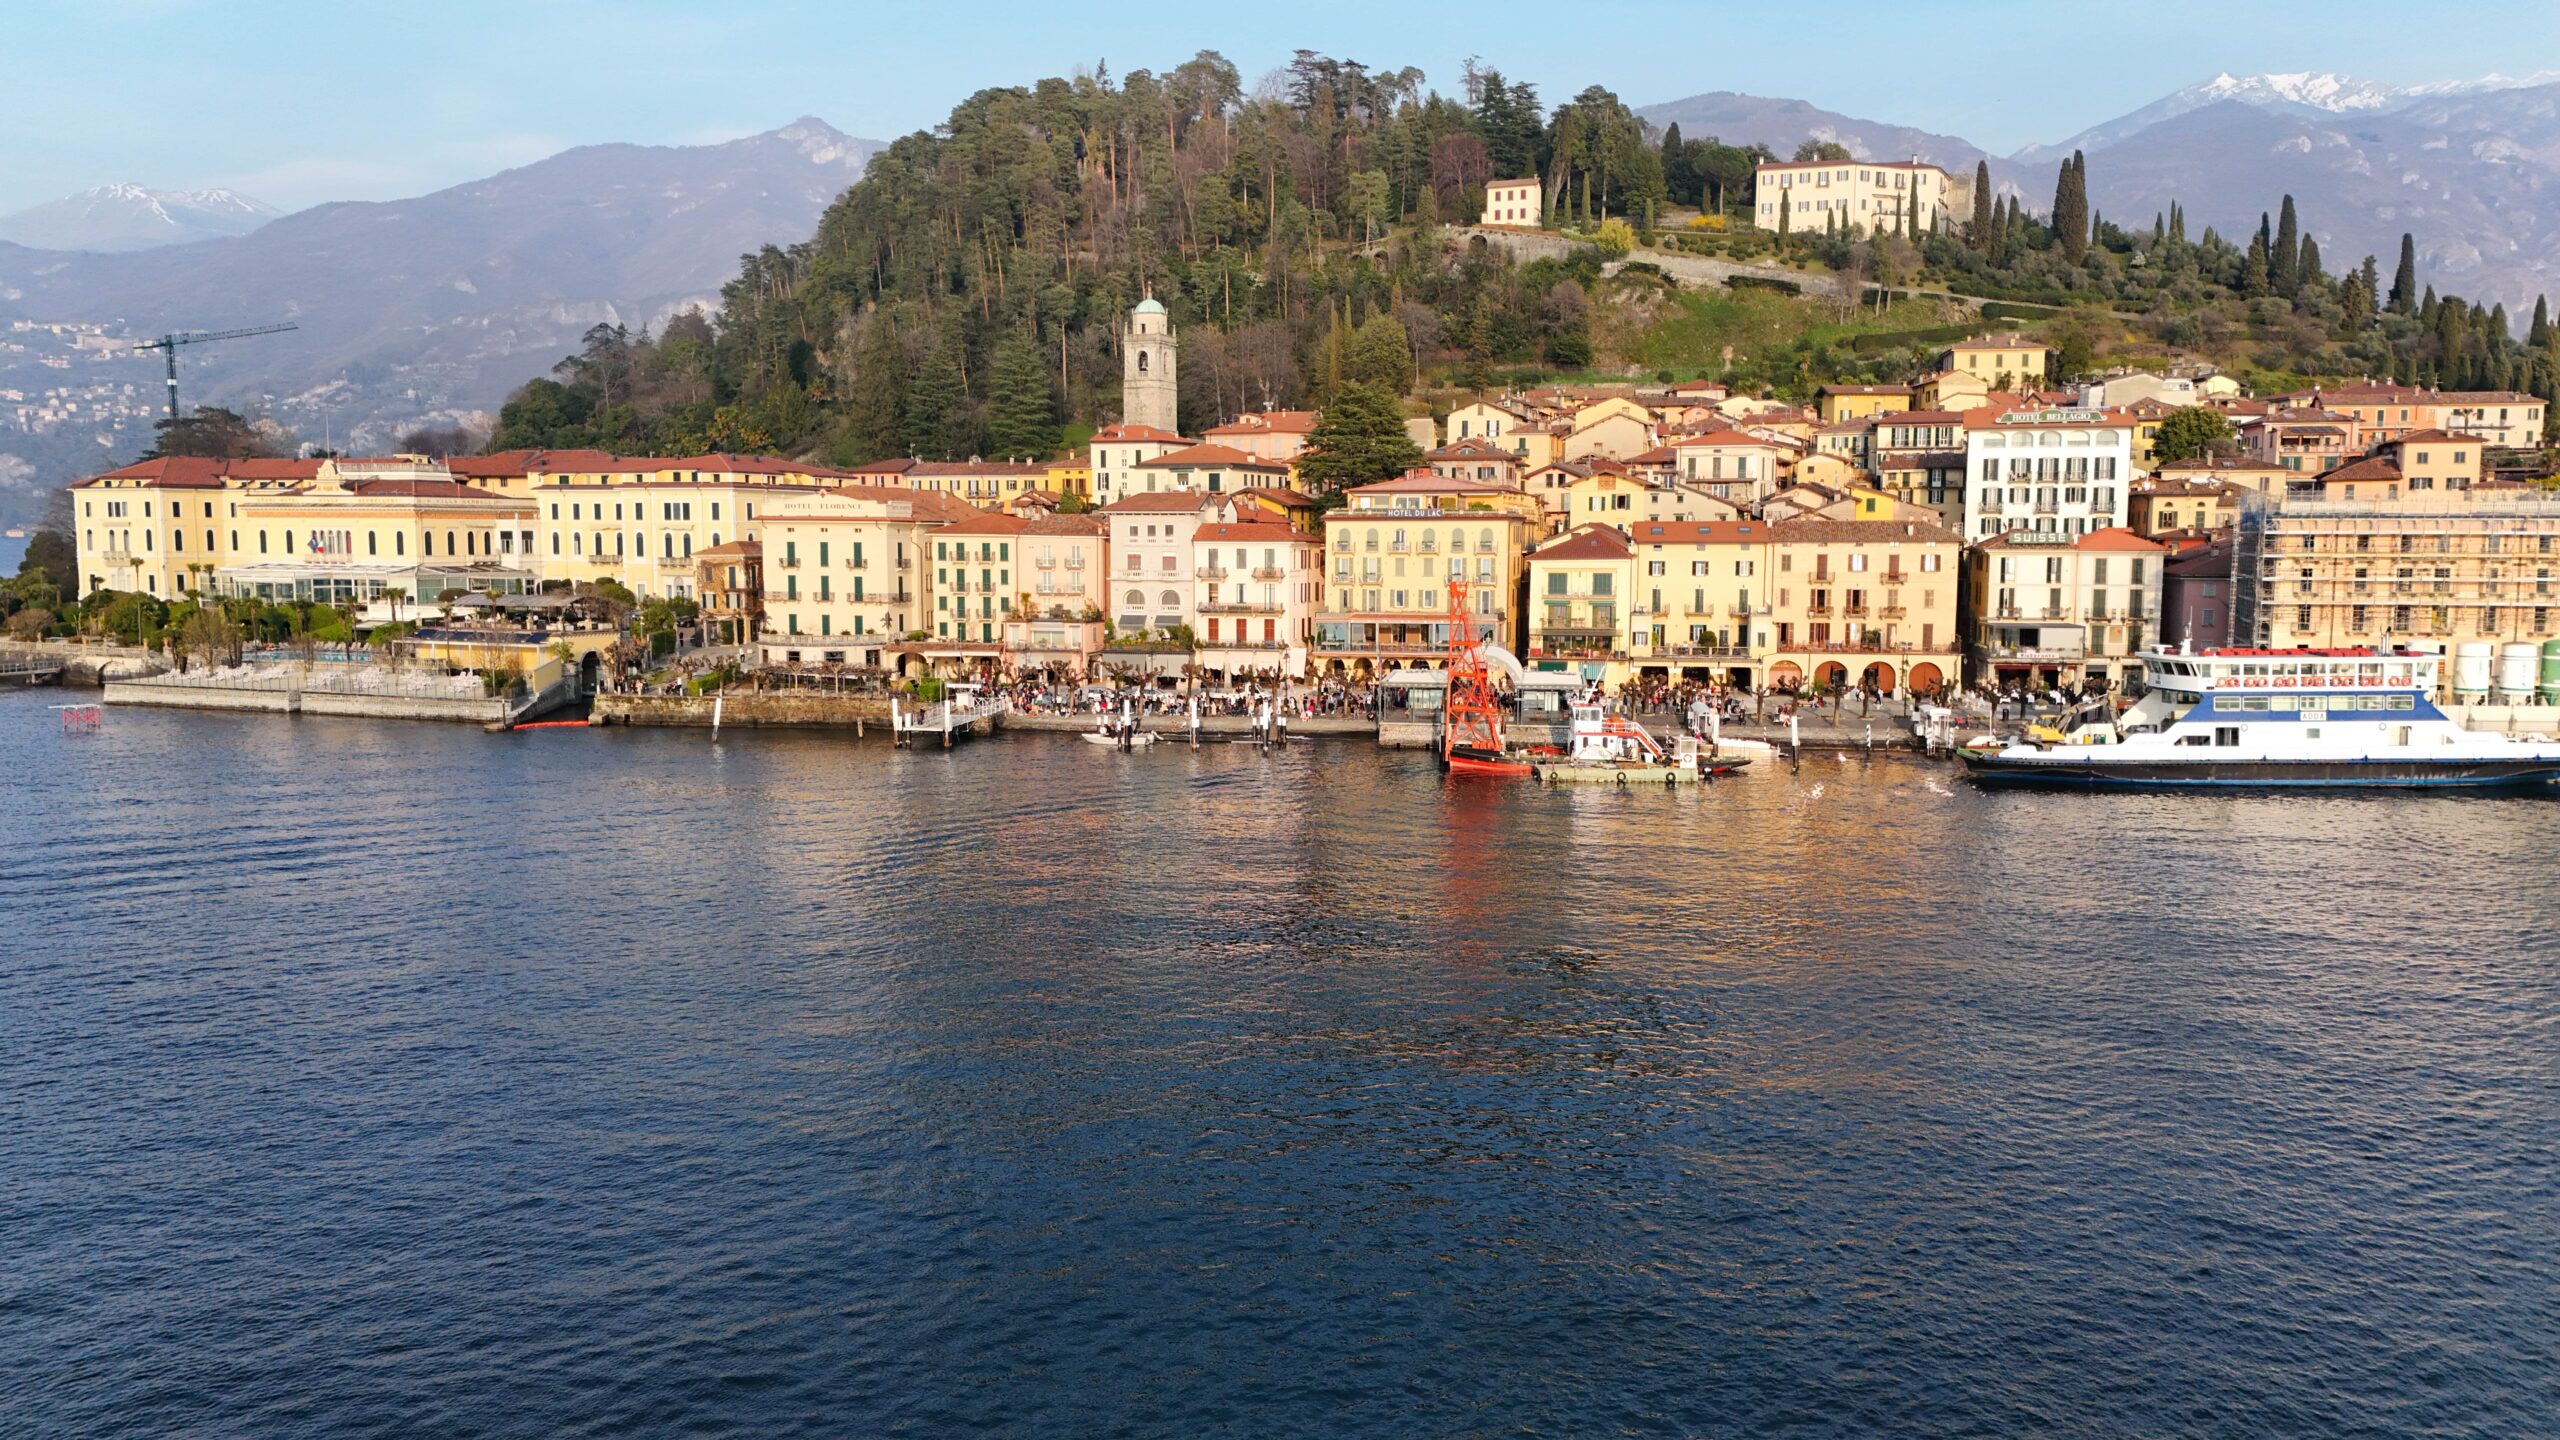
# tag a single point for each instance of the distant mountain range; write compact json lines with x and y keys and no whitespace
{"x":2471,"y":168}
{"x":116,"y":218}
{"x":409,"y":310}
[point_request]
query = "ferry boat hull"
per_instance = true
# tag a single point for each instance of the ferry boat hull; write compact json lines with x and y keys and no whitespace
{"x":2064,"y":772}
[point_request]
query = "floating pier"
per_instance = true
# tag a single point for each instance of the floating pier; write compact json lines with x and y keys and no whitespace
{"x":959,"y":713}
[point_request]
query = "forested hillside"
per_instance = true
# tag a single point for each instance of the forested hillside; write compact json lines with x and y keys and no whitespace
{"x":964,"y":297}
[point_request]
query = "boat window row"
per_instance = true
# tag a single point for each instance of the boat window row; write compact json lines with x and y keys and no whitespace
{"x":2287,"y":704}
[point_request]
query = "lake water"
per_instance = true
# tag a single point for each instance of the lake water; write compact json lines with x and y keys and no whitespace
{"x":382,"y":1080}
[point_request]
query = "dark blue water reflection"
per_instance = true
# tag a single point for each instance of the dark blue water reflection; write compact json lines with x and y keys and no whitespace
{"x":400,"y":1080}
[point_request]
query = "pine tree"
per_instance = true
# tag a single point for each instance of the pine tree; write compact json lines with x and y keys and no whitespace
{"x":1380,"y":354}
{"x":2404,"y":281}
{"x":876,"y":397}
{"x":1358,"y":440}
{"x":936,"y":419}
{"x":1979,"y":233}
{"x":2285,"y":260}
{"x":2307,"y":273}
{"x":1022,"y":414}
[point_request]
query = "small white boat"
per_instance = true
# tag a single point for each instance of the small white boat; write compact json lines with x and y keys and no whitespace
{"x":1099,"y":737}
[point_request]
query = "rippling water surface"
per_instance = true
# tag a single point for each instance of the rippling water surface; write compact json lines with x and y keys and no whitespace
{"x":402,"y":1080}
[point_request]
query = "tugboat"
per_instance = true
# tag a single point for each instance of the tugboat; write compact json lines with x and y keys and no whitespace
{"x":2313,"y":718}
{"x":1471,"y":727}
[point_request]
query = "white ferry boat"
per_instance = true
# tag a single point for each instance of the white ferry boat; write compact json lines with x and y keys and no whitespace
{"x":2356,"y":717}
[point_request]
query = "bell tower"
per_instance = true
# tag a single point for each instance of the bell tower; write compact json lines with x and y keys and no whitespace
{"x":1146,"y":368}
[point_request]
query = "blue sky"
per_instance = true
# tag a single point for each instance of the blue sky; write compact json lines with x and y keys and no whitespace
{"x":299,"y":101}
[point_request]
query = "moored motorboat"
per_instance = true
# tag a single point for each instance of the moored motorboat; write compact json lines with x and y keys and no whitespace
{"x":2359,"y":717}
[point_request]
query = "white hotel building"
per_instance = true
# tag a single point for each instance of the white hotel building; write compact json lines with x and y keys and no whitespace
{"x":2050,"y":472}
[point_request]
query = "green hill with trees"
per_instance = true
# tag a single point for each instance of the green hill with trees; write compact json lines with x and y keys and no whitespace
{"x":964,"y":298}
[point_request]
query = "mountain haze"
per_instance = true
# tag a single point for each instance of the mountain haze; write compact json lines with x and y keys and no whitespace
{"x":2470,"y":168}
{"x":114,"y":218}
{"x":438,"y":305}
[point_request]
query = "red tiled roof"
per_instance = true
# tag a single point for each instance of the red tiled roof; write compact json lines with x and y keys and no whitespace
{"x":2375,"y":468}
{"x":1699,"y":532}
{"x":1267,"y":422}
{"x":1196,"y":456}
{"x":1154,"y":502}
{"x":1591,"y":542}
{"x":1137,"y":435}
{"x":2116,"y":537}
{"x":1724,"y":437}
{"x":1259,"y":530}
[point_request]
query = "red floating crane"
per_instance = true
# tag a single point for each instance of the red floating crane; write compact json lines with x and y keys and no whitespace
{"x":1471,"y":722}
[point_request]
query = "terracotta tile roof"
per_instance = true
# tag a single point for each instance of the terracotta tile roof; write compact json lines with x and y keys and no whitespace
{"x":1137,"y":434}
{"x":1064,"y":525}
{"x":1154,"y":502}
{"x":1288,"y":499}
{"x":2117,"y":537}
{"x":985,"y":522}
{"x":1591,"y":542}
{"x":1472,"y":449}
{"x":1723,"y":437}
{"x":1262,"y":531}
{"x":1193,"y":457}
{"x":1838,"y":531}
{"x":735,"y":549}
{"x":2437,"y":437}
{"x":2373,"y":467}
{"x":1699,"y":532}
{"x":1267,"y":422}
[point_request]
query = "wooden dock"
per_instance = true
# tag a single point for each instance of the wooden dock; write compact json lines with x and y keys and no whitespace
{"x":29,"y":670}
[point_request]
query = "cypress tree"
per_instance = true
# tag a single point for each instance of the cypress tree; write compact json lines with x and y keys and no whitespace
{"x":2307,"y":269}
{"x":2404,"y":281}
{"x":2254,"y":269}
{"x":2285,"y":260}
{"x":1980,"y":232}
{"x":1675,"y":166}
{"x":2071,"y":208}
{"x":2539,"y":337}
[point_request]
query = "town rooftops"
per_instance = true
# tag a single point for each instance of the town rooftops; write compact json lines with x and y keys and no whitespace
{"x":2010,"y":340}
{"x":1864,"y":390}
{"x":1086,"y":525}
{"x":1137,"y":435}
{"x":1423,"y":482}
{"x":1862,"y":531}
{"x":1591,"y":542}
{"x":1270,"y":532}
{"x":1155,"y":502}
{"x":1699,"y":532}
{"x":1267,"y":422}
{"x":985,"y":522}
{"x":1195,"y":456}
{"x":2437,"y":437}
{"x":1472,"y":449}
{"x":2187,"y":487}
{"x":1723,"y":437}
{"x":734,"y":550}
{"x":2117,"y":537}
{"x":1284,"y":498}
{"x":2376,"y":468}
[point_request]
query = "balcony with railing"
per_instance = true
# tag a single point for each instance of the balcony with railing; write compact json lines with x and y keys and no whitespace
{"x":1240,"y":607}
{"x":1267,"y":572}
{"x":1211,"y":572}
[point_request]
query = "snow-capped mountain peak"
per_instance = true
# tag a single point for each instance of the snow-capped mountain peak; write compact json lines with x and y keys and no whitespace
{"x":134,"y":217}
{"x":2310,"y":89}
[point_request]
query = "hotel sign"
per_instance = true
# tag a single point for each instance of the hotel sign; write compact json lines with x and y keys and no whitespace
{"x":2053,"y":417}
